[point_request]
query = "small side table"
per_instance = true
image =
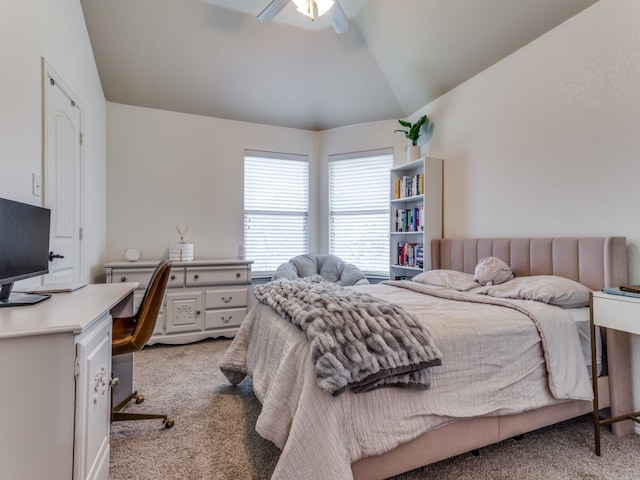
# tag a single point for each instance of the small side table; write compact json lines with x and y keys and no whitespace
{"x":618,"y":312}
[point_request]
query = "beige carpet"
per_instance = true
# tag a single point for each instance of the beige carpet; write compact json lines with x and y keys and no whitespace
{"x":214,"y":438}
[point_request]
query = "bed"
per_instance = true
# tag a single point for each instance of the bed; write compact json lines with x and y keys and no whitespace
{"x":526,"y":382}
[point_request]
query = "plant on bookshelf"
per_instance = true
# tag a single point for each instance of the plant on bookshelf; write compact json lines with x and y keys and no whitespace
{"x":412,"y":132}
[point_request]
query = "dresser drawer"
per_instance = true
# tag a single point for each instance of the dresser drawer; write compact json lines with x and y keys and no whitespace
{"x":231,"y":317}
{"x":176,"y":278}
{"x":215,"y":276}
{"x":143,"y":275}
{"x":225,"y":297}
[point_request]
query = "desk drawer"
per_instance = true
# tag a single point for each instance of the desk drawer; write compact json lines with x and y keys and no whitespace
{"x":225,"y":298}
{"x":619,"y":314}
{"x":219,"y":276}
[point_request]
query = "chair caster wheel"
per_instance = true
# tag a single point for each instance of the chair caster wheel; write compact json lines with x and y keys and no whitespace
{"x":169,"y":423}
{"x":139,"y":399}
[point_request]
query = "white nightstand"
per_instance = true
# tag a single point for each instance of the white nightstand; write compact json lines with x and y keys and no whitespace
{"x":618,"y":312}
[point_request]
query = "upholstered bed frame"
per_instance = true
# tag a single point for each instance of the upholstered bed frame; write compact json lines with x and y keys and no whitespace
{"x":596,"y":262}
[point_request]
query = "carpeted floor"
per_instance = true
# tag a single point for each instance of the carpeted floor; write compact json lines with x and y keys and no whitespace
{"x":214,"y":438}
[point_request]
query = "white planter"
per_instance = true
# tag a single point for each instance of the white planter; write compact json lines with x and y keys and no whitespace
{"x":413,"y":153}
{"x":181,"y":252}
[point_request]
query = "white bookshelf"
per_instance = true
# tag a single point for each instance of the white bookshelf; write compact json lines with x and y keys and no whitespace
{"x":415,"y":215}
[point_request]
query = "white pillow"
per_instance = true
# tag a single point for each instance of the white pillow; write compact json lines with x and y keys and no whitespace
{"x":550,"y":289}
{"x":447,"y":278}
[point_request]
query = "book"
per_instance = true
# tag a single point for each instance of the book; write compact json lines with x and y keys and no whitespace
{"x":619,"y":291}
{"x":630,"y":288}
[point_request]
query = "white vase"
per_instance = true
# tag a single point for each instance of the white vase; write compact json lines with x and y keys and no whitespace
{"x":413,"y":153}
{"x":181,"y":252}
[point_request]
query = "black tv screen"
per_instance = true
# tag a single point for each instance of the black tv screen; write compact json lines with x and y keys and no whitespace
{"x":24,"y":243}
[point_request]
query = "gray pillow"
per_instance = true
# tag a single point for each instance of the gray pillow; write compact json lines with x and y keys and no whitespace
{"x":447,"y":278}
{"x":550,"y":289}
{"x":352,"y":275}
{"x":306,"y":265}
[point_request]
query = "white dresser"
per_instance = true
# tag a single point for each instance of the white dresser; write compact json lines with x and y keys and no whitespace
{"x":55,"y":369}
{"x":204,"y":298}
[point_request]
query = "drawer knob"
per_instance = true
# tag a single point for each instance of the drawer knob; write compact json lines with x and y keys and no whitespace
{"x":226,"y":320}
{"x":123,"y":279}
{"x":196,"y":276}
{"x":238,"y":275}
{"x":173,"y":277}
{"x":197,"y":312}
{"x":226,"y":300}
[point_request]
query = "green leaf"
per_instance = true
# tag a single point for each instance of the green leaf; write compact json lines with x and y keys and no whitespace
{"x":414,"y":129}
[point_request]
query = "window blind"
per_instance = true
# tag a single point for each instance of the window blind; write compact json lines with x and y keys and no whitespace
{"x":276,"y":209}
{"x":359,"y":209}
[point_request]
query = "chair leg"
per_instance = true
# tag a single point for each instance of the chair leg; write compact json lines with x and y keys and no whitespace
{"x":118,"y":416}
{"x":123,"y":403}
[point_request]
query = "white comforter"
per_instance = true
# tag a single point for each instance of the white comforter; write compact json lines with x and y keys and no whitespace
{"x":493,"y":363}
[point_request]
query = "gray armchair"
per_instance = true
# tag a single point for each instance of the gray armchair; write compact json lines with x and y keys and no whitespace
{"x":329,"y":267}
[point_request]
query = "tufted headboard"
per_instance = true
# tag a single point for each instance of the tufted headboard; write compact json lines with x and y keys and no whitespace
{"x":596,"y":262}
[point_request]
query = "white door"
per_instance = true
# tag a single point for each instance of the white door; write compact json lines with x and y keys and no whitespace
{"x":63,"y":182}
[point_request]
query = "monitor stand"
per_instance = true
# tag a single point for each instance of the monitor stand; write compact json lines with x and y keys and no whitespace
{"x":22,"y":299}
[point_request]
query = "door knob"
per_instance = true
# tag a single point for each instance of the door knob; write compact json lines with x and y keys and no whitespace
{"x":54,"y":255}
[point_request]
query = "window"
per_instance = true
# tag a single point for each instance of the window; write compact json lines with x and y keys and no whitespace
{"x":359,"y":209}
{"x":276,"y":209}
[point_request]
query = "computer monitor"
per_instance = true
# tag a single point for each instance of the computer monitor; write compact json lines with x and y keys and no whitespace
{"x":24,"y":249}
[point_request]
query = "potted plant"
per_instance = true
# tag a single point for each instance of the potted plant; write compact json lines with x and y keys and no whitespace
{"x":412,"y":132}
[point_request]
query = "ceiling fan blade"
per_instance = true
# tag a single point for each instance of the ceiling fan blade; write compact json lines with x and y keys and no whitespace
{"x":272,"y":10}
{"x":339,"y":20}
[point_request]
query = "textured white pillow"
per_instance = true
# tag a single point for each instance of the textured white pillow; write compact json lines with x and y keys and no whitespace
{"x":550,"y":289}
{"x":447,"y":278}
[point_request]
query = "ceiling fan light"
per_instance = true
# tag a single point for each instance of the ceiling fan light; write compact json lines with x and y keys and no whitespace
{"x":324,"y":6}
{"x":305,"y":7}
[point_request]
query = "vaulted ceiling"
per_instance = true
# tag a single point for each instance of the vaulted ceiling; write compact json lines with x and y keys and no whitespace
{"x":214,"y":58}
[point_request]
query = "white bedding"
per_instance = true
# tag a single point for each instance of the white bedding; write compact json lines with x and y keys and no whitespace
{"x":581,"y":317}
{"x":493,"y":364}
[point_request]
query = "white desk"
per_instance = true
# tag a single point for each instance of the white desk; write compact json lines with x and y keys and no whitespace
{"x":617,"y":312}
{"x":55,"y":369}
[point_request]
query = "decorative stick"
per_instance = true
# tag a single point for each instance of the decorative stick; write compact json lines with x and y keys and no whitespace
{"x":182,"y":233}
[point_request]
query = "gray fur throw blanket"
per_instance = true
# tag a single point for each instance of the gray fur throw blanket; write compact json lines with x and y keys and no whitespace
{"x":356,"y":340}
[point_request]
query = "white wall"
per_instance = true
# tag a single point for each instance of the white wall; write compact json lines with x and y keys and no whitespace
{"x":546,"y":141}
{"x":353,"y":138}
{"x":55,"y":30}
{"x":167,"y":169}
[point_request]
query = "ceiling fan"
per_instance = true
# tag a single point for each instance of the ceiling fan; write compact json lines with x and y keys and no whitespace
{"x":310,"y":8}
